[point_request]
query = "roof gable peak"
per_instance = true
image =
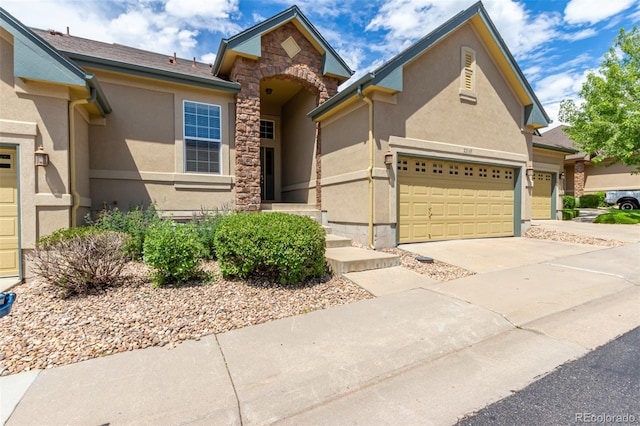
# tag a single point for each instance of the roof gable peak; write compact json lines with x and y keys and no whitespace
{"x":248,"y":43}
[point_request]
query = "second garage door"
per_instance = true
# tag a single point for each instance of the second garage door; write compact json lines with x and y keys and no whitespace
{"x":541,"y":200}
{"x":442,"y":200}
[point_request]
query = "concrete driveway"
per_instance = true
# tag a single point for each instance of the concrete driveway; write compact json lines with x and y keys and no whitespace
{"x":626,"y":233}
{"x":496,"y":254}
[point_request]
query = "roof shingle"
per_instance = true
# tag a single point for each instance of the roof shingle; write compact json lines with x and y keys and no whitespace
{"x":125,"y":55}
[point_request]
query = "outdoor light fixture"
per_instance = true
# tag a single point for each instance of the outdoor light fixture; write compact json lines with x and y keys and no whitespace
{"x":42,"y":158}
{"x":388,"y":158}
{"x":529,"y":172}
{"x":562,"y":175}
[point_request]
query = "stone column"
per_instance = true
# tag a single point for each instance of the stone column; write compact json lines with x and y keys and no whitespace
{"x":247,"y":140}
{"x":578,"y":179}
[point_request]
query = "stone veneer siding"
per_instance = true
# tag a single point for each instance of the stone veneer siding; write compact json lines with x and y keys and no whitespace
{"x":578,"y":179}
{"x":305,"y":69}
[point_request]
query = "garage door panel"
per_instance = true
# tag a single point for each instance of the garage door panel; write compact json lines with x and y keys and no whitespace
{"x":469,"y":230}
{"x":437,"y":210}
{"x":9,"y":232}
{"x":454,"y":200}
{"x":437,"y":231}
{"x":454,"y":210}
{"x":419,"y":209}
{"x":541,"y":197}
{"x":469,"y":209}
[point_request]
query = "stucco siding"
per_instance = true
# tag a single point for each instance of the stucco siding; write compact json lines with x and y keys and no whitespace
{"x":82,"y":186}
{"x":139,"y":133}
{"x":617,"y":176}
{"x":35,"y":114}
{"x":141,"y":145}
{"x":429,"y":106}
{"x":345,"y":158}
{"x":298,"y":148}
{"x":344,"y":143}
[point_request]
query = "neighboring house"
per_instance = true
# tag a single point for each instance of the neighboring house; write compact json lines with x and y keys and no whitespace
{"x":584,"y":177}
{"x":435,"y":144}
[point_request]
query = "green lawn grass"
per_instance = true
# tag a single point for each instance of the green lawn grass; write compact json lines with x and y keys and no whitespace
{"x":619,"y":216}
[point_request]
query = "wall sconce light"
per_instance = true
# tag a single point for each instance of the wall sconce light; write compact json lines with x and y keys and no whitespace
{"x":529,"y":172}
{"x":388,"y":158}
{"x":269,"y":90}
{"x":41,"y":157}
{"x":562,"y":175}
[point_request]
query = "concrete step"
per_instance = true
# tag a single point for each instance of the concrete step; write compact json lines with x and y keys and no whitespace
{"x":334,"y":241}
{"x":294,"y":208}
{"x":352,"y":259}
{"x":327,"y":229}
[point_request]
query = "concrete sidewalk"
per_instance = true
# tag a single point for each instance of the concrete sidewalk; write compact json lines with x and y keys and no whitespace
{"x":422,"y":353}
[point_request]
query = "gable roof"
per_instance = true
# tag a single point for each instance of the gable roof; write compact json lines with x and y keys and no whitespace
{"x":388,"y":77}
{"x":125,"y":59}
{"x":36,"y":60}
{"x":248,"y":44}
{"x":557,"y":140}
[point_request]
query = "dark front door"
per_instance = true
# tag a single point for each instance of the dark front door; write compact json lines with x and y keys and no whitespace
{"x":267,"y":168}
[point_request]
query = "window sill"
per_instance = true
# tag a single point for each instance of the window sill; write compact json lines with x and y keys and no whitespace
{"x":206,"y":182}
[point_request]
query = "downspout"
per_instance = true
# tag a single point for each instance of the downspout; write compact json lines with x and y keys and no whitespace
{"x":370,"y":168}
{"x":72,"y":153}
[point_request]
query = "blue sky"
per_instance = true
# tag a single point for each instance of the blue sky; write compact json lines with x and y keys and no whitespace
{"x":556,"y":42}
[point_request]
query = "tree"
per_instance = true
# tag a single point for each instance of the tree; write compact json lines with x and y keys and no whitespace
{"x":607,"y":123}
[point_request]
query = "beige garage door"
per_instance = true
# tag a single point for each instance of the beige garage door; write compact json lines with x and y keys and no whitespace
{"x":9,"y":253}
{"x":542,"y":190}
{"x":443,"y":200}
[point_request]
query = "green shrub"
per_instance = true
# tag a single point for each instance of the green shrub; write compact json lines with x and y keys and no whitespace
{"x":65,"y":234}
{"x":589,"y":201}
{"x":601,"y":196}
{"x":135,"y":222}
{"x":79,"y":260}
{"x":568,"y":214}
{"x":619,"y":216}
{"x":206,"y":226}
{"x":173,"y":251}
{"x":568,"y":202}
{"x":286,"y":248}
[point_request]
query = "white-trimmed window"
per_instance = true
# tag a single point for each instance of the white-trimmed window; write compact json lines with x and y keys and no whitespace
{"x":202,"y":136}
{"x":267,"y":129}
{"x":468,"y":74}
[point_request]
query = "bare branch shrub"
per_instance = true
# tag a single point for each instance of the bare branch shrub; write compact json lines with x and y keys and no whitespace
{"x":82,"y":261}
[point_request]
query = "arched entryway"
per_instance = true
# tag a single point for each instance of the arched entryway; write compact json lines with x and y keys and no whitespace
{"x":288,"y":141}
{"x":277,"y":91}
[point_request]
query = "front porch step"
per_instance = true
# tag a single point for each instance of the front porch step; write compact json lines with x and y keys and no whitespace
{"x":352,"y":259}
{"x":335,"y":241}
{"x":294,"y":208}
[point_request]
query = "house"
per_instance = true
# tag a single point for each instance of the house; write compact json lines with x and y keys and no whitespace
{"x":435,"y":144}
{"x":584,"y":177}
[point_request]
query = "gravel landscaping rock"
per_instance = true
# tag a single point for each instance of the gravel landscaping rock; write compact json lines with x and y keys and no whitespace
{"x":437,"y":270}
{"x":45,"y":330}
{"x":541,"y":233}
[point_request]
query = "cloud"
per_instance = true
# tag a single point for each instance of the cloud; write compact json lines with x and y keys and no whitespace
{"x":593,"y":11}
{"x":208,"y":58}
{"x":580,"y":35}
{"x":407,"y":20}
{"x":163,"y":26}
{"x":563,"y":85}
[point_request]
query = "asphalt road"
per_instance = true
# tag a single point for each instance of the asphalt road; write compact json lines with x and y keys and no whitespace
{"x":603,"y":387}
